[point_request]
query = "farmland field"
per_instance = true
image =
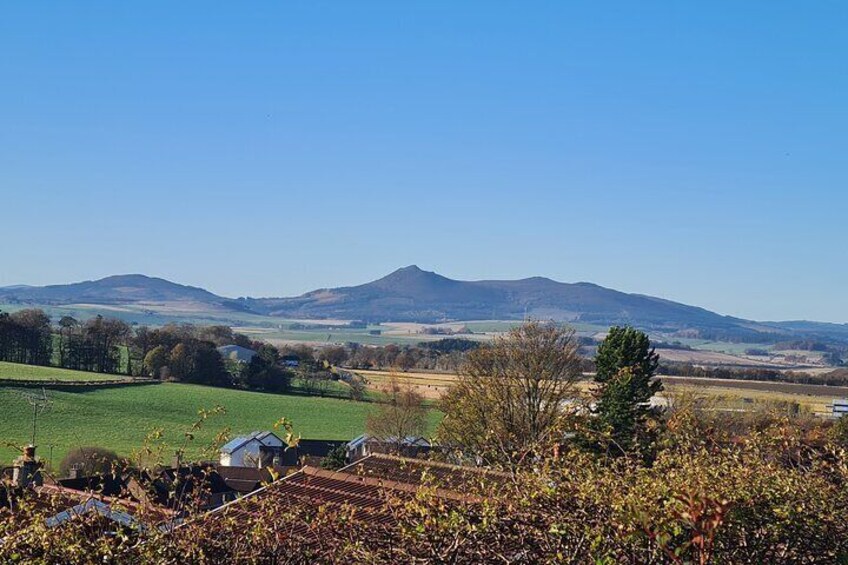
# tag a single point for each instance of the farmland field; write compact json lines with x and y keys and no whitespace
{"x":15,"y":371}
{"x":120,"y":418}
{"x":815,"y":398}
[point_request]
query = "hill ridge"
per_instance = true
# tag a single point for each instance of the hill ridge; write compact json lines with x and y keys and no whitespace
{"x":412,"y":294}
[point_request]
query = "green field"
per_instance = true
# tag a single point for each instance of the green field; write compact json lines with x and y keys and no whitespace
{"x":120,"y":418}
{"x":36,"y":373}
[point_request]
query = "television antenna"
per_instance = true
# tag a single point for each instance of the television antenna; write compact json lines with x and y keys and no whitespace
{"x":40,"y":403}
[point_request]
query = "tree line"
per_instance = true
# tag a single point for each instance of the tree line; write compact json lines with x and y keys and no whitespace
{"x":443,"y":355}
{"x":834,"y":378}
{"x":177,"y":352}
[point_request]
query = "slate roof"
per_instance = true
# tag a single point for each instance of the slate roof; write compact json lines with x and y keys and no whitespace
{"x":242,"y":354}
{"x":122,"y":510}
{"x":237,"y":442}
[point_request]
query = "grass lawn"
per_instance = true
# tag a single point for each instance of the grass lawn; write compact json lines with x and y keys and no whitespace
{"x":120,"y":418}
{"x":36,"y":373}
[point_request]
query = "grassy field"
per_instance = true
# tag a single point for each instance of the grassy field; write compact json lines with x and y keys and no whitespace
{"x":120,"y":418}
{"x":35,"y":373}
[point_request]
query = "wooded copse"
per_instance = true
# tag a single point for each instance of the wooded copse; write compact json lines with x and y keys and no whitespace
{"x":183,"y":353}
{"x":186,"y":353}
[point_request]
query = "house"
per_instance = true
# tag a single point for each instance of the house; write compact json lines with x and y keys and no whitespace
{"x":183,"y":487}
{"x":121,"y":511}
{"x":236,"y":353}
{"x":313,"y":451}
{"x":258,"y":449}
{"x":264,"y":449}
{"x":365,"y":445}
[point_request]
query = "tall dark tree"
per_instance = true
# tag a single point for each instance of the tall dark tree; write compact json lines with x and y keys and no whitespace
{"x":68,"y":326}
{"x":625,"y":367}
{"x":105,"y":339}
{"x":264,"y":371}
{"x":34,"y":336}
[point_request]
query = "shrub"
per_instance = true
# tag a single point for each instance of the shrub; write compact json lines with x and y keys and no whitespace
{"x":89,"y":460}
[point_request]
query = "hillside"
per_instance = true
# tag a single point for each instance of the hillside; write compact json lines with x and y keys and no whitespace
{"x":116,"y":290}
{"x":411,"y":294}
{"x":414,"y":295}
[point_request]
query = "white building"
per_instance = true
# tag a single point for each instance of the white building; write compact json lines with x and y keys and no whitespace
{"x":365,"y":445}
{"x":259,"y":449}
{"x":236,"y":353}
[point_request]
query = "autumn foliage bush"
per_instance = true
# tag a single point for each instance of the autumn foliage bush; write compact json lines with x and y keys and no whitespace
{"x":722,"y":489}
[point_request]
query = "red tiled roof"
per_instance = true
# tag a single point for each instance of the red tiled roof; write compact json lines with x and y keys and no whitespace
{"x":367,"y":488}
{"x":419,"y":471}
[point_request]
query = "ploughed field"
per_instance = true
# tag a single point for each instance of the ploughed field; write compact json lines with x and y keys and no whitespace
{"x":120,"y":418}
{"x":728,"y":392}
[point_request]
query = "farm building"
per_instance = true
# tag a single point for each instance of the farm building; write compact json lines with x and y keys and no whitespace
{"x":365,"y":445}
{"x":290,"y":361}
{"x":236,"y":353}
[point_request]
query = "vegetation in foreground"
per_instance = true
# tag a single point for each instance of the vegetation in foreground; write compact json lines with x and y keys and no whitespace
{"x":743,"y":489}
{"x":609,"y":480}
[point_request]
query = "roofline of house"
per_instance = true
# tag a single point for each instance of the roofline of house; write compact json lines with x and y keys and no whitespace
{"x":452,"y":466}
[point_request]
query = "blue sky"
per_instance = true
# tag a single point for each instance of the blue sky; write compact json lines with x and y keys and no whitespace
{"x":695,"y":151}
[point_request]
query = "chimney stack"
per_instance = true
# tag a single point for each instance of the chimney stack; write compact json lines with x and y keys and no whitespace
{"x":26,"y":471}
{"x":76,"y":471}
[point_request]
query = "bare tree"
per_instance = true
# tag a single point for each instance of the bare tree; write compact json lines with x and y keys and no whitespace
{"x":357,"y":385}
{"x":400,"y":415}
{"x":512,"y":396}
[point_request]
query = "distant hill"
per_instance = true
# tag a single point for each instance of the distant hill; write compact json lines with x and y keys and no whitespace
{"x":411,"y":294}
{"x":414,"y":295}
{"x":114,"y":290}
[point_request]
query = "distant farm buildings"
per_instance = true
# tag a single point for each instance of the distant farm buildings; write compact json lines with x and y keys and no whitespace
{"x":366,"y":445}
{"x":290,"y":361}
{"x":261,"y":450}
{"x":236,"y":353}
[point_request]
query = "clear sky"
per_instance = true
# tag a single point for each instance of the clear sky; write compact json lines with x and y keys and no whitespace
{"x":696,"y":151}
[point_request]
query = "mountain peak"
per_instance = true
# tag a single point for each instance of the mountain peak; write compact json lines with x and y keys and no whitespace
{"x":410,"y":269}
{"x":412,"y":279}
{"x":411,"y":272}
